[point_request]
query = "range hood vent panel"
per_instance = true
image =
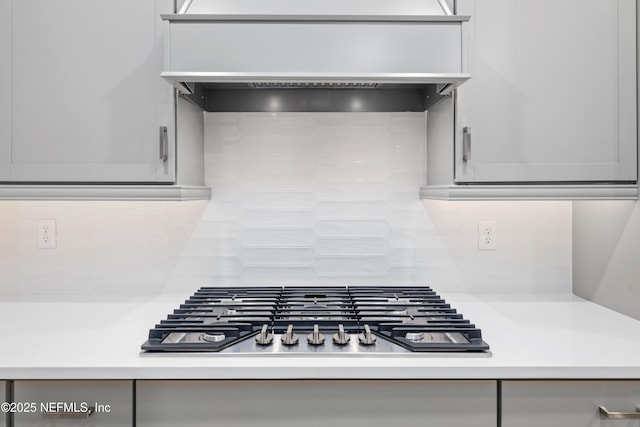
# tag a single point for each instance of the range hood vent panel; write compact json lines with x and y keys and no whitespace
{"x":315,"y":46}
{"x":310,"y":7}
{"x":315,"y":85}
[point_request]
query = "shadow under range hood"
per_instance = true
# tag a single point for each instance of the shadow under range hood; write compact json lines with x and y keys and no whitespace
{"x":314,"y":55}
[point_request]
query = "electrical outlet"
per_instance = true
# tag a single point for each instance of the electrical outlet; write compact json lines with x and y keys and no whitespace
{"x":487,"y":236}
{"x":47,"y":234}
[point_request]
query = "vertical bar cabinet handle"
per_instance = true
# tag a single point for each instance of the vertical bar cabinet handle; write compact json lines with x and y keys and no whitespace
{"x":164,"y":143}
{"x":466,"y":143}
{"x":619,"y":415}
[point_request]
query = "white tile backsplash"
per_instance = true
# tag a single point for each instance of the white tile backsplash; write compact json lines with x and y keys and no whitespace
{"x":269,"y":257}
{"x":299,"y":198}
{"x":364,"y":246}
{"x":333,"y":199}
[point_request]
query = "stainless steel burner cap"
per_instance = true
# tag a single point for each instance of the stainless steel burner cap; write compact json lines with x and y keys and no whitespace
{"x":414,"y":336}
{"x":213,"y":337}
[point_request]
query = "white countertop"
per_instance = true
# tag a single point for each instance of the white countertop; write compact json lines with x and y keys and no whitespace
{"x":531,"y":336}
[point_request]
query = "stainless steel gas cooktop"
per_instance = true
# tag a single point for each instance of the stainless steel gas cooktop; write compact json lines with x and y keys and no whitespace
{"x":360,"y":320}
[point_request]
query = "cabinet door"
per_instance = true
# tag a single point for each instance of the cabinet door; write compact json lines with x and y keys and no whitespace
{"x":5,"y":88}
{"x":3,"y":398}
{"x":112,"y":402}
{"x":568,"y":403}
{"x":552,"y":95}
{"x":316,"y":403}
{"x":87,"y":99}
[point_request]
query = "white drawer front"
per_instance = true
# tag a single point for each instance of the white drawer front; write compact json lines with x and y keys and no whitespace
{"x":316,"y":403}
{"x":118,"y":395}
{"x":568,"y":403}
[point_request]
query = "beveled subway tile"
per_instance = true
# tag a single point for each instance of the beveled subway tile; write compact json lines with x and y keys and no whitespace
{"x":277,"y":163}
{"x":351,"y":265}
{"x":407,"y":181}
{"x":278,"y":182}
{"x":214,"y":119}
{"x":222,"y":135}
{"x":224,"y":191}
{"x":403,"y":123}
{"x":286,"y":144}
{"x":409,"y":143}
{"x":212,"y":247}
{"x":354,"y":228}
{"x":211,"y":150}
{"x":351,"y":119}
{"x":276,"y":238}
{"x":294,"y":257}
{"x":345,"y":157}
{"x":351,"y":280}
{"x":354,"y":172}
{"x":375,"y":138}
{"x":264,"y":125}
{"x":277,"y":200}
{"x":352,"y":210}
{"x":277,"y":219}
{"x":221,"y":158}
{"x":352,"y":191}
{"x":220,"y":172}
{"x":407,"y":162}
{"x":278,"y":275}
{"x":351,"y":246}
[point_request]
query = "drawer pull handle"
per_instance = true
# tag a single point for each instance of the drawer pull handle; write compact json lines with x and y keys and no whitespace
{"x":87,"y":414}
{"x":619,"y":415}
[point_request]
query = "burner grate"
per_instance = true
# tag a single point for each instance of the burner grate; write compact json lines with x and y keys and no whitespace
{"x":414,"y":318}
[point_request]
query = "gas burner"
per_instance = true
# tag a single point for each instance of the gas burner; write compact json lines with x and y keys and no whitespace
{"x":319,"y":321}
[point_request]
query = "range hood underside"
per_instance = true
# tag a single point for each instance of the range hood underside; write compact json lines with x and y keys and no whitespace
{"x":244,"y":97}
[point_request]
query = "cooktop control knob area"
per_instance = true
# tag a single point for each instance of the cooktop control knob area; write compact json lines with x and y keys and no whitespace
{"x":367,"y":338}
{"x":264,"y":337}
{"x":340,"y":338}
{"x":315,"y":337}
{"x":289,"y":338}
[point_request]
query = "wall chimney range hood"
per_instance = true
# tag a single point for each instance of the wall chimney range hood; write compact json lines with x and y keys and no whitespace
{"x":321,"y":55}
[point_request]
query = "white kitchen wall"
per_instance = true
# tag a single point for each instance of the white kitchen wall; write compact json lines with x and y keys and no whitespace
{"x":306,"y":199}
{"x":115,"y":248}
{"x":605,"y":254}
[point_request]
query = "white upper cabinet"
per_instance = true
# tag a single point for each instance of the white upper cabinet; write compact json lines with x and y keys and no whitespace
{"x":5,"y":88}
{"x":552,"y":94}
{"x":86,"y":102}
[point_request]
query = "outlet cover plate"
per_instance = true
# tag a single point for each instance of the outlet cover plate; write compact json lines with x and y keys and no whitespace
{"x":487,"y":236}
{"x":47,"y":234}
